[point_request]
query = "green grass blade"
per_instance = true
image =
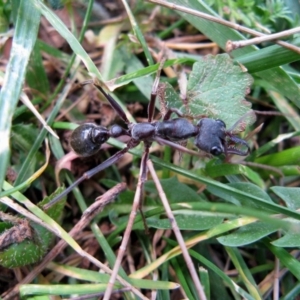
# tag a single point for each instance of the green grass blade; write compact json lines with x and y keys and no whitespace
{"x":244,"y":272}
{"x":72,"y":40}
{"x":23,"y":42}
{"x":260,"y":60}
{"x":24,"y":169}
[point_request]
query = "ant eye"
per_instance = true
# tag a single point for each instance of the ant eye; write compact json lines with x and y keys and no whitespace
{"x":216,"y":151}
{"x":221,"y":123}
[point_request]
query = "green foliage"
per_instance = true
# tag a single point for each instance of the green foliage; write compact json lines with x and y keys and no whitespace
{"x":270,"y":15}
{"x":241,"y":211}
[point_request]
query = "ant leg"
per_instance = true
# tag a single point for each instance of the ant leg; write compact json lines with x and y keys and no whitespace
{"x":87,"y":175}
{"x":113,"y":103}
{"x":135,"y":205}
{"x":175,"y":228}
{"x":151,"y":106}
{"x":170,"y":111}
{"x":176,"y":146}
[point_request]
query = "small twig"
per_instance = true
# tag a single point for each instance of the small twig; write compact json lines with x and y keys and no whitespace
{"x":232,"y":45}
{"x":176,"y":231}
{"x":87,"y":216}
{"x":221,"y":21}
{"x":126,"y":236}
{"x":25,"y":99}
{"x":189,"y":46}
{"x":271,"y":113}
{"x":276,"y":281}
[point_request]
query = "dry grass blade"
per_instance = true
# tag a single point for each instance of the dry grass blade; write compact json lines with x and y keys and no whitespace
{"x":135,"y":205}
{"x":176,"y":231}
{"x":232,"y":45}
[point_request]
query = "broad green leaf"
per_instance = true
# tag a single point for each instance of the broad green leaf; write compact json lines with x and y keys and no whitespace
{"x":290,"y":195}
{"x":178,"y":192}
{"x":216,"y":88}
{"x":23,"y":136}
{"x":175,"y":190}
{"x":290,"y":239}
{"x":247,"y":234}
{"x":187,"y":221}
{"x":22,"y":139}
{"x":252,"y":189}
{"x":222,"y":190}
{"x":246,"y":187}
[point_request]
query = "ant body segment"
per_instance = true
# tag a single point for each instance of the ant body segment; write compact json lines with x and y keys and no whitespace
{"x":210,"y":134}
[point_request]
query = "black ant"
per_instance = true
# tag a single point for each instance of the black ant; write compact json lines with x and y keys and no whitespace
{"x":209,"y":135}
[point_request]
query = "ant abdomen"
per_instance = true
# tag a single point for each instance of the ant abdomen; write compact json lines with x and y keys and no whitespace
{"x":88,"y":138}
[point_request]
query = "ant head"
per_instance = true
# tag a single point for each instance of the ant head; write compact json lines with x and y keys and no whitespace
{"x":87,"y":139}
{"x":211,"y":136}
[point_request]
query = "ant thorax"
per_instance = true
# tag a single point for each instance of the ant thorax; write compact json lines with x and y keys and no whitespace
{"x":176,"y":129}
{"x":142,"y":131}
